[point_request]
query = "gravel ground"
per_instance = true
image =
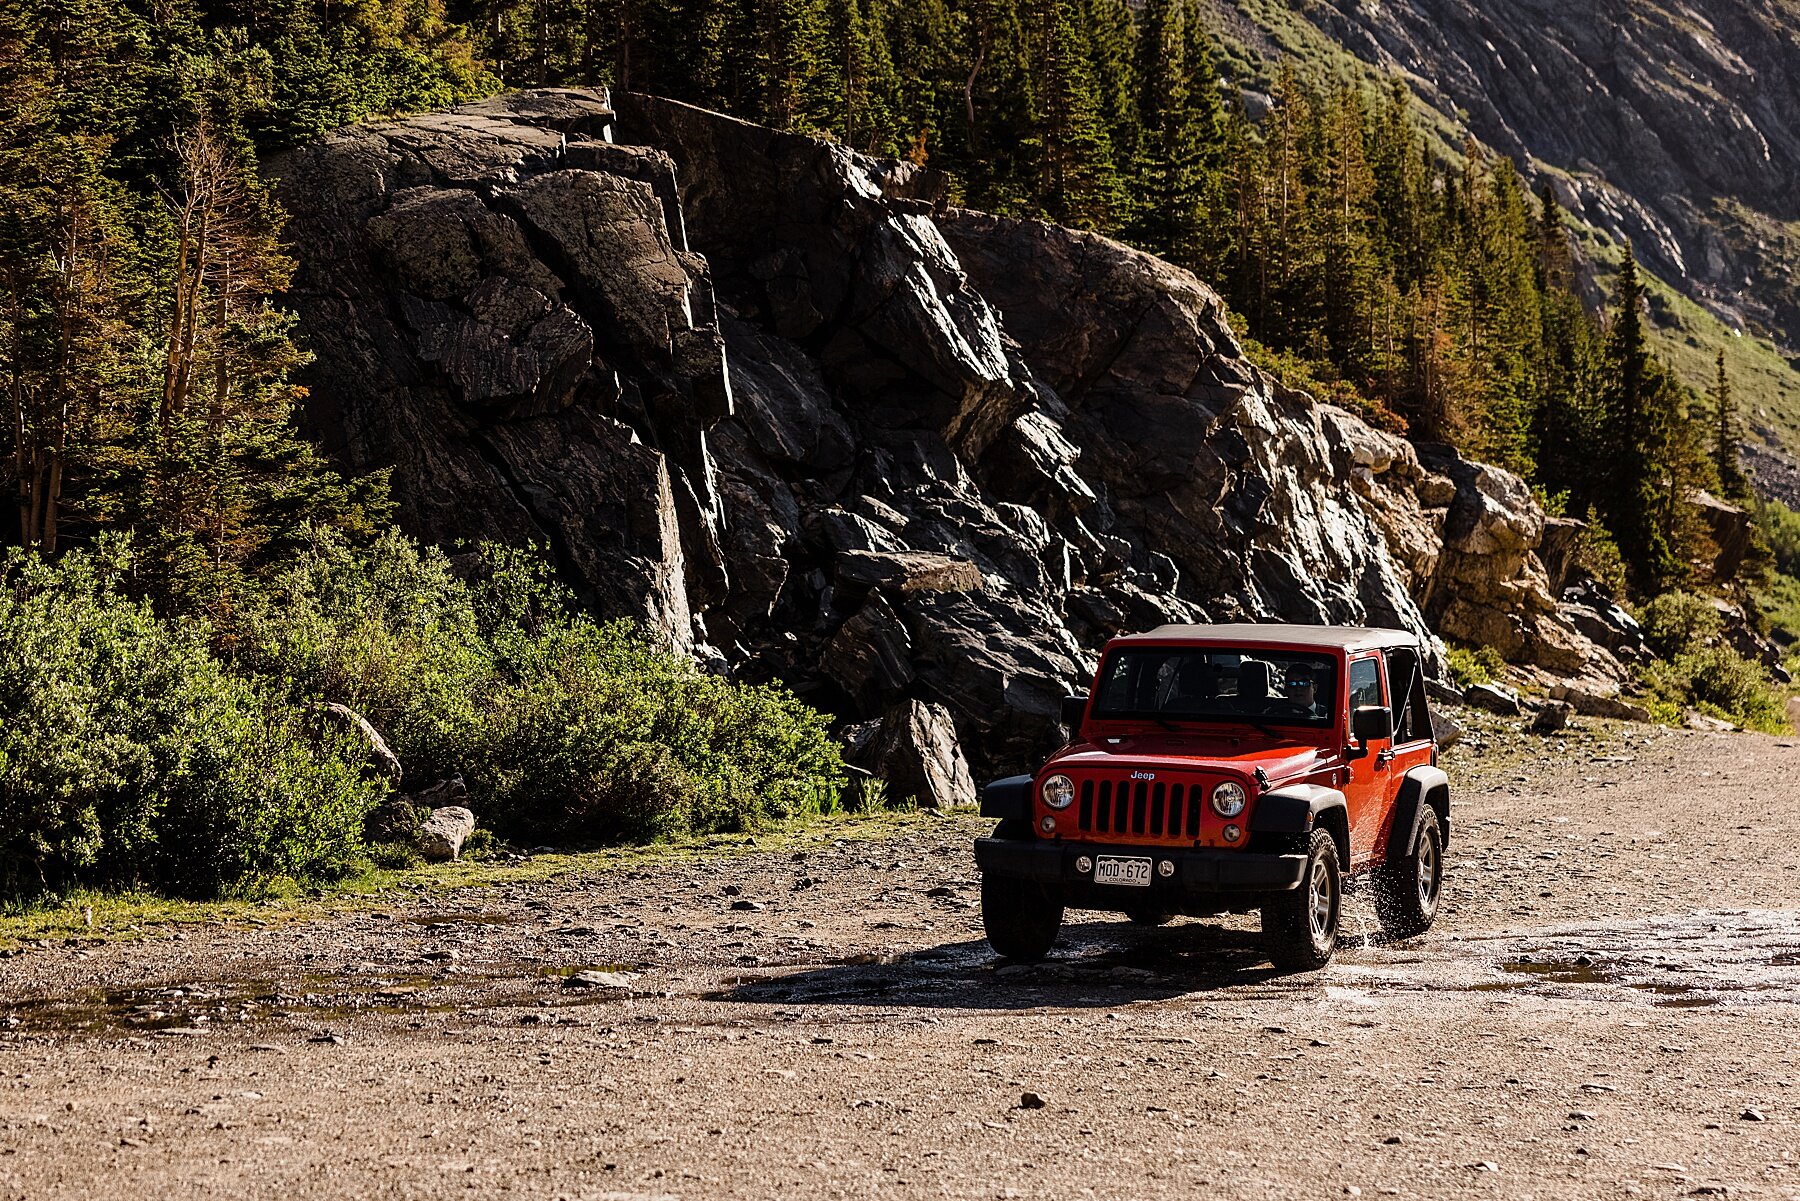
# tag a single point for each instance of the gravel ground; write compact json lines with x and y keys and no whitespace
{"x":1605,"y":1009}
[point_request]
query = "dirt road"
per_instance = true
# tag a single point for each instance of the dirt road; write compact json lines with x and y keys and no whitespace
{"x":1607,"y":1009}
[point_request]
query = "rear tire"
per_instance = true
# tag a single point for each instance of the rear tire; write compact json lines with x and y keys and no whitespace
{"x":1021,"y":920}
{"x":1300,"y":927}
{"x":1408,"y":887}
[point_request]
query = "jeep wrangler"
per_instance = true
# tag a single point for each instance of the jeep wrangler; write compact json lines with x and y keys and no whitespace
{"x":1221,"y":769}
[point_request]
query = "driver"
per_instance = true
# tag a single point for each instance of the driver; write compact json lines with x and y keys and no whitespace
{"x":1300,"y":687}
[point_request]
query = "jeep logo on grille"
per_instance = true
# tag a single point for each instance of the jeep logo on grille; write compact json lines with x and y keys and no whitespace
{"x":1143,"y":775}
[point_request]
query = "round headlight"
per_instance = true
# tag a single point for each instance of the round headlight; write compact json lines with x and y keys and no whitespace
{"x":1228,"y":799}
{"x":1059,"y":791}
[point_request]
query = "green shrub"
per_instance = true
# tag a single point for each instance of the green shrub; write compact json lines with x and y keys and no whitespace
{"x":131,"y":752}
{"x":480,"y":845}
{"x":131,"y":755}
{"x":1677,"y":623}
{"x":1718,"y":681}
{"x":563,"y":727}
{"x":1474,"y":665}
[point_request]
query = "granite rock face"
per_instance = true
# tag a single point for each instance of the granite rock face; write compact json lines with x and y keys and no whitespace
{"x":776,"y":400}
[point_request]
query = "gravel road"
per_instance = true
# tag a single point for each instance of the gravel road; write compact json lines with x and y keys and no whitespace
{"x":1606,"y":1009}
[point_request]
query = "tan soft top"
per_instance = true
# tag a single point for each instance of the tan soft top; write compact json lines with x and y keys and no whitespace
{"x":1348,"y":638}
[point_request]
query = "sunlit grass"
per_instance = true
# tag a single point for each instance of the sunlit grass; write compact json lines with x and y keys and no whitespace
{"x":95,"y":915}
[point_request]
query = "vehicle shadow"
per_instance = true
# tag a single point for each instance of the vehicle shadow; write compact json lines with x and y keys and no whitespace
{"x":1095,"y":964}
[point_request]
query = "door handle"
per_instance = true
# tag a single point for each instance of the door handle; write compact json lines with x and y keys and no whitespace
{"x":1384,"y":757}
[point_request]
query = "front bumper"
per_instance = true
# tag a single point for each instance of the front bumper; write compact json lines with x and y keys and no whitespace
{"x":1199,"y":874}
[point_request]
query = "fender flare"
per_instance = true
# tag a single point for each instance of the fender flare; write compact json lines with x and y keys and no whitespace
{"x":1423,"y":785}
{"x":1007,"y":798}
{"x":1299,"y":809}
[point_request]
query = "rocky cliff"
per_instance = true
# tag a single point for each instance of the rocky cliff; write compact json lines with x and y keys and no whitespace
{"x":777,"y":401}
{"x":1673,"y":123}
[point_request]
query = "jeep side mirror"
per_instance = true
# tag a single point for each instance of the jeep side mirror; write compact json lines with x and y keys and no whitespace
{"x":1074,"y":708}
{"x":1371,"y":723}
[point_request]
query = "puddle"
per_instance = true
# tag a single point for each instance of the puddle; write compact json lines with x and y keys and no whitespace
{"x":563,"y":973}
{"x":450,"y":921}
{"x":1688,"y":961}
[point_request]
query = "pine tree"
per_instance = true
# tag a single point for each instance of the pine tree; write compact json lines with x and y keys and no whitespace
{"x":1179,"y":107}
{"x":1638,"y":494}
{"x":1727,"y":437}
{"x":1112,"y":46}
{"x":1077,"y":182}
{"x":867,"y":101}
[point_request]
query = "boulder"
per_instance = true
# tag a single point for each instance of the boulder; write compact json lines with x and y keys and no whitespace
{"x":1446,"y":729}
{"x":440,"y":793}
{"x":1730,"y":528}
{"x":1696,"y":720}
{"x":907,"y":571}
{"x":1551,"y":717}
{"x":1591,"y":699}
{"x":1495,"y":698}
{"x":385,"y":761}
{"x":442,"y":834}
{"x":915,"y":750}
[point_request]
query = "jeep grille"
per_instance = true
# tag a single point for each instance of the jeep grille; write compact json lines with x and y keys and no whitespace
{"x":1140,"y":809}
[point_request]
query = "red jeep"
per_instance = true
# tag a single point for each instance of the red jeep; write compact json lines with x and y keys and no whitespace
{"x":1220,"y":769}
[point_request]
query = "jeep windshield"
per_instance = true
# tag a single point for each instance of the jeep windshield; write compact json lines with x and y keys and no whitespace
{"x":1216,"y":684}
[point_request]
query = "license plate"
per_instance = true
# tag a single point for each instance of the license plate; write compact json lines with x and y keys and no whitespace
{"x":1120,"y":869}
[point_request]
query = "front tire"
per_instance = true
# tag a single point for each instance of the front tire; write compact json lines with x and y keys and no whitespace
{"x":1408,"y":887}
{"x":1300,"y":927}
{"x":1021,"y":921}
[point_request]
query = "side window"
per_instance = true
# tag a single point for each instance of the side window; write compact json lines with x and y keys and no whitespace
{"x":1410,"y":722}
{"x":1365,"y":683}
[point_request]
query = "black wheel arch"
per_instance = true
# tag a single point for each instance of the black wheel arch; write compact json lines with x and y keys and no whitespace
{"x":1424,"y":786}
{"x":1292,"y":813}
{"x":1008,"y":798}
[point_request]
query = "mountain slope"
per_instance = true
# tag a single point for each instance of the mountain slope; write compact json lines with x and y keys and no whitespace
{"x":1673,"y":124}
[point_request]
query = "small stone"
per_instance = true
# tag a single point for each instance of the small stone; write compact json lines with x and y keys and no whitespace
{"x":1392,"y":1140}
{"x":731,"y":890}
{"x":1031,"y":1101}
{"x":595,"y":979}
{"x":1580,"y":1115}
{"x":940,"y":891}
{"x":335,"y":1040}
{"x":1484,"y":1165}
{"x":1752,"y":1115}
{"x":749,"y":906}
{"x":1552,"y":717}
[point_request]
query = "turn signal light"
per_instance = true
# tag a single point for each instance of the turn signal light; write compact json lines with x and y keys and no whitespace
{"x":1232,"y":833}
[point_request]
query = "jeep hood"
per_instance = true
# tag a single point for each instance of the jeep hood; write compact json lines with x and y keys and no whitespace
{"x":1281,"y":759}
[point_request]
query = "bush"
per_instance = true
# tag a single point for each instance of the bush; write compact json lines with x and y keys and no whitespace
{"x":134,"y":751}
{"x":1677,"y":623}
{"x":1718,"y":681}
{"x":563,"y":727}
{"x":131,"y":755}
{"x":1474,"y":665}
